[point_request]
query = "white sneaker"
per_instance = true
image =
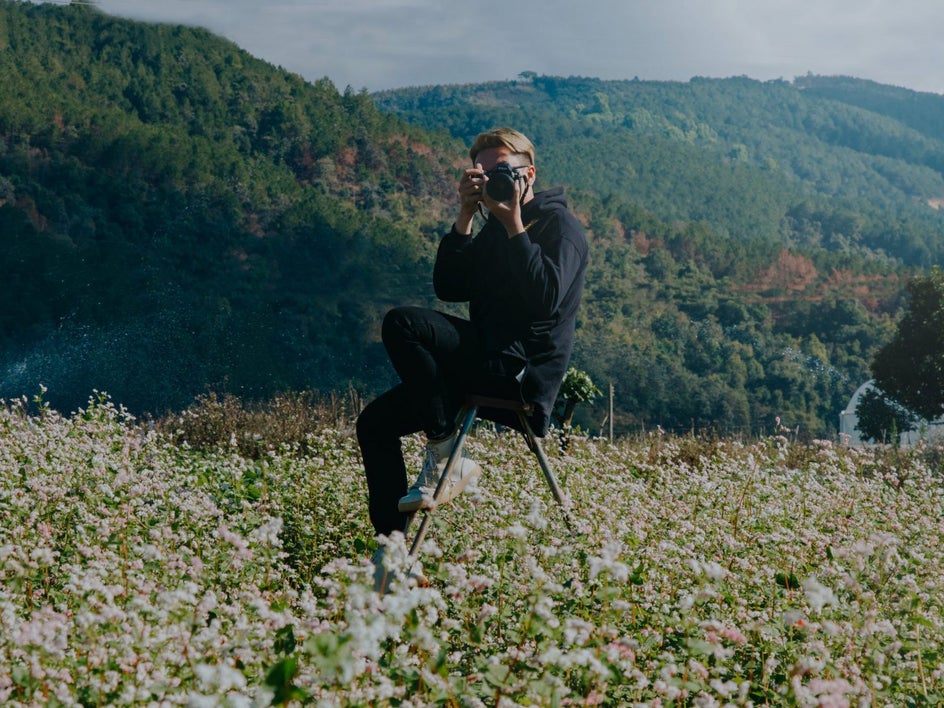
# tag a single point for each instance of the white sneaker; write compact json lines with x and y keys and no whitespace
{"x":421,"y":493}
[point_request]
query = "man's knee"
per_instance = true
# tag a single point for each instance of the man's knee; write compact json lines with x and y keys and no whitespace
{"x":397,"y":322}
{"x":366,"y":425}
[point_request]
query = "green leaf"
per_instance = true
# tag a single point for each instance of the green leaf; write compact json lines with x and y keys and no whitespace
{"x":285,"y":640}
{"x":282,"y":672}
{"x":279,"y":678}
{"x":20,"y":675}
{"x":700,"y":647}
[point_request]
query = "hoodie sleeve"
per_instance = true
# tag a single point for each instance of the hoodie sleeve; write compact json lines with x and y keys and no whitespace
{"x":452,"y":272}
{"x":548,"y":264}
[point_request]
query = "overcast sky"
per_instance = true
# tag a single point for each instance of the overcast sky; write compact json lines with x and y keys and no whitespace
{"x":380,"y":44}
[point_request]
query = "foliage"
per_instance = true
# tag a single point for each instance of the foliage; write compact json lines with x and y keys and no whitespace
{"x":285,"y":421}
{"x":178,"y":217}
{"x":881,"y":419}
{"x":176,"y":214}
{"x":920,"y":111}
{"x":753,"y":159}
{"x":705,"y":572}
{"x":910,"y":367}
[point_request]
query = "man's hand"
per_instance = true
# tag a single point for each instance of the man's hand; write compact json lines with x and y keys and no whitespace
{"x":509,"y":212}
{"x":472,"y":193}
{"x":471,"y":189}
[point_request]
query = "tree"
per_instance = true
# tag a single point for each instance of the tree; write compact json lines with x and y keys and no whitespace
{"x":882,"y":419}
{"x":910,"y":368}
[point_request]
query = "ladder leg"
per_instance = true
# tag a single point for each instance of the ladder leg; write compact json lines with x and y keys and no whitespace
{"x":538,"y":450}
{"x":467,"y":418}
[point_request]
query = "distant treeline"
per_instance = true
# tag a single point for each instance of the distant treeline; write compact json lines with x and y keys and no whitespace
{"x":177,"y":216}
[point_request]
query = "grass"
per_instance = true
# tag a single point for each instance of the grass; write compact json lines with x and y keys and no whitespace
{"x":221,"y":557}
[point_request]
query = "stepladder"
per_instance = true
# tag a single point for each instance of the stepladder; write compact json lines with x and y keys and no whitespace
{"x":472,"y":410}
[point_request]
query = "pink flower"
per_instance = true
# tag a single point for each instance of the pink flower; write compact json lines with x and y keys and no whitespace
{"x":733,"y":634}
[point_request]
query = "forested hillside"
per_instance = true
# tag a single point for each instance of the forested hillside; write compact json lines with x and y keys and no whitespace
{"x":178,"y":216}
{"x":835,"y":163}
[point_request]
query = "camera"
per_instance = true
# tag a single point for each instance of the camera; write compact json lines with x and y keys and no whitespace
{"x":501,"y":182}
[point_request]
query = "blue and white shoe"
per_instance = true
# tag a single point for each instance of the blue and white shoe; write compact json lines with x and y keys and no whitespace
{"x":421,"y":493}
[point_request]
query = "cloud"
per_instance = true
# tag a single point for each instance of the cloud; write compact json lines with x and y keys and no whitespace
{"x":396,"y":43}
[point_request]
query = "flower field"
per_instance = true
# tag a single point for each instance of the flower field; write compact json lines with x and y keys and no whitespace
{"x":136,"y":569}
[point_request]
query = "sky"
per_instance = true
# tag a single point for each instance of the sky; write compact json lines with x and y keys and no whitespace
{"x":385,"y":44}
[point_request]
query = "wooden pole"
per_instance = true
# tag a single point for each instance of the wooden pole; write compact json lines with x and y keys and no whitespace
{"x":611,"y":413}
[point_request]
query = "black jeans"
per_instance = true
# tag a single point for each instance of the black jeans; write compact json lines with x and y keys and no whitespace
{"x":436,"y":356}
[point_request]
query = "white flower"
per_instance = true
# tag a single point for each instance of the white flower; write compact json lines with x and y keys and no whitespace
{"x":723,"y":688}
{"x":268,"y":533}
{"x":714,"y":570}
{"x":149,"y":552}
{"x":516,"y":530}
{"x":536,"y":518}
{"x":221,"y":677}
{"x":818,"y":595}
{"x":608,"y":562}
{"x":43,"y":556}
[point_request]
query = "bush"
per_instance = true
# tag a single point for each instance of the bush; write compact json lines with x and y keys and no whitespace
{"x":285,"y":421}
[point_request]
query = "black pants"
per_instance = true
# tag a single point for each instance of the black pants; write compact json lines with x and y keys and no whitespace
{"x":436,"y":356}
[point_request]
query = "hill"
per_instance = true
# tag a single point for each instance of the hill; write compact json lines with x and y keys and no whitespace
{"x":178,"y":216}
{"x":752,"y":159}
{"x":808,"y":201}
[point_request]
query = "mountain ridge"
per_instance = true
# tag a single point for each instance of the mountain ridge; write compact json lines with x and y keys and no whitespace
{"x":178,"y":217}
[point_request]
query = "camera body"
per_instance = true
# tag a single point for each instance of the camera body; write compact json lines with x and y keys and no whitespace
{"x":501,"y":182}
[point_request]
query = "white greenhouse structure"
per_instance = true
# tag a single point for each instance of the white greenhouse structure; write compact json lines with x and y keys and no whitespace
{"x":848,"y":420}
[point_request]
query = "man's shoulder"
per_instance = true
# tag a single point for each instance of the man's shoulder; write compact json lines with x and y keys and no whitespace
{"x":551,"y":203}
{"x":569,"y":227}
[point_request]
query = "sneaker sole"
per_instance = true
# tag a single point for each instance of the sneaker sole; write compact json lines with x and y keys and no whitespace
{"x":455,"y":490}
{"x":413,"y":506}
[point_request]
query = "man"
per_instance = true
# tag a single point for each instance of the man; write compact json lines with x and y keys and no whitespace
{"x":522,"y":275}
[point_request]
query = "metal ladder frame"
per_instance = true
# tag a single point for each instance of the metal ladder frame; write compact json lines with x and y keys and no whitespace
{"x":467,"y":416}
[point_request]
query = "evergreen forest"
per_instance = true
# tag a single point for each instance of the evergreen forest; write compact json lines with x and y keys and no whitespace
{"x":178,"y":217}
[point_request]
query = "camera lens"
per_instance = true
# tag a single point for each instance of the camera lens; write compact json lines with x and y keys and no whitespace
{"x":501,"y":182}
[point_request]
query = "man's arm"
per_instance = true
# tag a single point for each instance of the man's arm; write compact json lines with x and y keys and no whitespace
{"x":470,"y":195}
{"x":452,"y":274}
{"x":547,"y":271}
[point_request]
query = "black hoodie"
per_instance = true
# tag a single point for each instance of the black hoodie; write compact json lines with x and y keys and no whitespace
{"x":523,"y":294}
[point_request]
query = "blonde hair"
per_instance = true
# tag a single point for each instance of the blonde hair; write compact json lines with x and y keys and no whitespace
{"x":503,"y":137}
